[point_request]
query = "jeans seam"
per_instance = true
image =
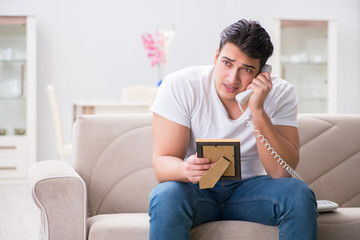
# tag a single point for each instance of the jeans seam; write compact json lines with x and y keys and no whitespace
{"x":284,"y":229}
{"x":223,"y":198}
{"x":207,"y":201}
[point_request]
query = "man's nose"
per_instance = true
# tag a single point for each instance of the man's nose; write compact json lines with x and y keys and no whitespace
{"x":235,"y":76}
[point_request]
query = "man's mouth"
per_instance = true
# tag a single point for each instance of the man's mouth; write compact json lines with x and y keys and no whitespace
{"x":230,"y":88}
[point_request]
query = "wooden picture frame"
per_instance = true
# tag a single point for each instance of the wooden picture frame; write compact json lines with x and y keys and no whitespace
{"x":214,"y":149}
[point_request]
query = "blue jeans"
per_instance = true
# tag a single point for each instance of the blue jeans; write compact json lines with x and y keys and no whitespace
{"x":289,"y":203}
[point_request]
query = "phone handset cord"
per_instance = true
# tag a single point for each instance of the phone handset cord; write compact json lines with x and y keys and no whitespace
{"x":272,"y":151}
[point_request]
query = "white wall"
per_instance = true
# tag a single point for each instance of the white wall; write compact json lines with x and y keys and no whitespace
{"x":90,"y":49}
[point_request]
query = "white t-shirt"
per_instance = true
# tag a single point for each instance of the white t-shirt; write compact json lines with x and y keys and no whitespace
{"x":188,"y":97}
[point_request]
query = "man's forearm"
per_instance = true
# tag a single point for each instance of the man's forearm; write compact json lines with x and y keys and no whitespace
{"x":169,"y":168}
{"x":282,"y":142}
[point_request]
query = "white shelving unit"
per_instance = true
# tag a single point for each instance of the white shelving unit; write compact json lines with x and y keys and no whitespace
{"x":305,"y":55}
{"x":17,"y":96}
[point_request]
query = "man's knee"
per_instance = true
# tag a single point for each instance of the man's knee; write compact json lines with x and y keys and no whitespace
{"x":300,"y":190}
{"x":169,"y":194}
{"x":298,"y":195}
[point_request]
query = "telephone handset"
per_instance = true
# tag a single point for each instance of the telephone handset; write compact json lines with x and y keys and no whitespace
{"x":243,"y":98}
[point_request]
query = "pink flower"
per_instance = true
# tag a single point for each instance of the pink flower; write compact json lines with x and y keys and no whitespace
{"x":157,"y":50}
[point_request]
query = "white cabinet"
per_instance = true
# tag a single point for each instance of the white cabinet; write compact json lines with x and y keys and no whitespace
{"x":17,"y":96}
{"x":305,"y":55}
{"x":13,"y":157}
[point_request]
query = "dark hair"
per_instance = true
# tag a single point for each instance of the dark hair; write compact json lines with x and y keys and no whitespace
{"x":250,"y":37}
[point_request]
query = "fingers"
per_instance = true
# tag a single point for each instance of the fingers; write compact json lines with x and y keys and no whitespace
{"x":261,"y":86}
{"x":195,"y":168}
{"x":198,"y":161}
{"x":263,"y":80}
{"x":195,"y":179}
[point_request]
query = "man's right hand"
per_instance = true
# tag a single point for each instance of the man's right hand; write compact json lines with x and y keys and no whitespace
{"x":196,"y":167}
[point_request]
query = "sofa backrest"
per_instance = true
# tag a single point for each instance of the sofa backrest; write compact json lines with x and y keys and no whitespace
{"x":113,"y":155}
{"x":330,"y":156}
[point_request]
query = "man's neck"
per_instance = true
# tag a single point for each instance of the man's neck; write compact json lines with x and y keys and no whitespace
{"x":233,"y":110}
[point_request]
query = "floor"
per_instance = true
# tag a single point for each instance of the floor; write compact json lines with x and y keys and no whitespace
{"x":19,"y":217}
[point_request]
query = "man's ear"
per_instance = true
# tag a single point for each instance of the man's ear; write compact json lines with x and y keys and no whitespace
{"x":216,"y":56}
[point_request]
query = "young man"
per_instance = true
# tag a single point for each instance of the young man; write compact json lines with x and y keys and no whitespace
{"x":199,"y":102}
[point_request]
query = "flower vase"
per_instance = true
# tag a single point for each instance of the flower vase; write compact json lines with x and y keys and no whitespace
{"x":161,"y":74}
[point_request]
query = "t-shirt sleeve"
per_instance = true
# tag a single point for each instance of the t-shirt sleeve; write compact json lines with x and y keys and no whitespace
{"x":174,"y":100}
{"x":283,"y":106}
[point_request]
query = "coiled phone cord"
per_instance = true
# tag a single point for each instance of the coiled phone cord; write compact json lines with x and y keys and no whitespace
{"x":272,"y":151}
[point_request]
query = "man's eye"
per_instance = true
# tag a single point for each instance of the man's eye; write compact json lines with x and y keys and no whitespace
{"x":248,"y":70}
{"x":227,"y":63}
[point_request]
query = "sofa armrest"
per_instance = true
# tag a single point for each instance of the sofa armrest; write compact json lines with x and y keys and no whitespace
{"x":60,"y":194}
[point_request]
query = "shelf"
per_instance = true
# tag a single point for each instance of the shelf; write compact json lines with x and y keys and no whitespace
{"x":313,"y":99}
{"x":12,"y":136}
{"x":13,"y":61}
{"x":305,"y":56}
{"x":17,"y":95}
{"x":303,"y":63}
{"x":13,"y":98}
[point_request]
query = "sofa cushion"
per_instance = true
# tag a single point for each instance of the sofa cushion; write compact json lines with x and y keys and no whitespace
{"x":131,"y":226}
{"x":341,"y":224}
{"x":134,"y":226}
{"x":231,"y":230}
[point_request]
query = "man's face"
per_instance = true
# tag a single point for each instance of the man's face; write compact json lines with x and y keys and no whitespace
{"x":234,"y":71}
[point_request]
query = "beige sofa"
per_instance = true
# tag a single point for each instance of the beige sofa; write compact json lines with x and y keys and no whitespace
{"x":105,"y":195}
